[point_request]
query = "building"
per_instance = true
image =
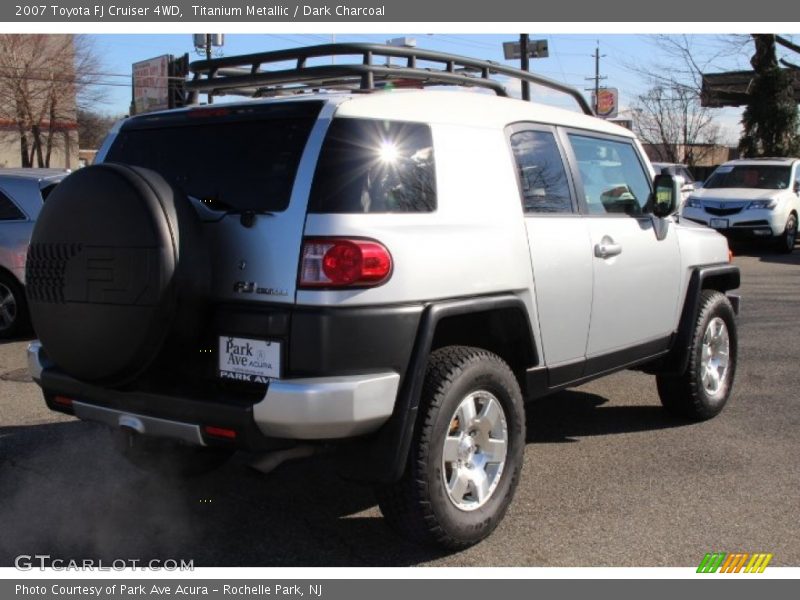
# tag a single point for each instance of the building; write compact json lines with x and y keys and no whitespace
{"x":697,"y":155}
{"x":38,"y":109}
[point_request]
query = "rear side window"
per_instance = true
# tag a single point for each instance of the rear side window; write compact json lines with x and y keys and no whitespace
{"x":9,"y":210}
{"x":543,"y":179}
{"x":229,"y":163}
{"x":370,"y":166}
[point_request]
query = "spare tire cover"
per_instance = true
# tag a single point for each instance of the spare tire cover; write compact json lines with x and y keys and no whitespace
{"x":102,"y":273}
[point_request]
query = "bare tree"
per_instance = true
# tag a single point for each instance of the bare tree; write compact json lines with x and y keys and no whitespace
{"x":671,"y":120}
{"x":93,"y":127}
{"x":684,"y":58}
{"x":43,"y":78}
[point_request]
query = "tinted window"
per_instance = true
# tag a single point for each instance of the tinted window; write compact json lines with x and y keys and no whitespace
{"x":9,"y":210}
{"x":541,"y":172}
{"x":768,"y":177}
{"x":368,"y":166}
{"x":614,"y":180}
{"x":229,"y":163}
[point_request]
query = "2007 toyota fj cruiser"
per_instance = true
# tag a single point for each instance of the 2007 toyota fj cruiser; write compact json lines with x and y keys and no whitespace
{"x":393,"y":271}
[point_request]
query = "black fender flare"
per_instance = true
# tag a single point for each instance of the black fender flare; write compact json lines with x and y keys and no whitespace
{"x":721,"y":277}
{"x":384,"y":458}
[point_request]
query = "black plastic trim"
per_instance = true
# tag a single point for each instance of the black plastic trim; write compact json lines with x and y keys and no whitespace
{"x":330,"y":341}
{"x":720,"y":277}
{"x":542,"y":381}
{"x":232,"y":411}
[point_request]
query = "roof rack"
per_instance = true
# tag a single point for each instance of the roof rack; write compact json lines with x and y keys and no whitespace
{"x":248,"y":75}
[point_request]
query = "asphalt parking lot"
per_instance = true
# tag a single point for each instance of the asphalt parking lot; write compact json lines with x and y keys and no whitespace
{"x":609,"y":479}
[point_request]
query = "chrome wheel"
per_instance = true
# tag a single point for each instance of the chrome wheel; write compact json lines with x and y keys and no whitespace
{"x":475,"y":450}
{"x":8,"y":307}
{"x":715,"y":357}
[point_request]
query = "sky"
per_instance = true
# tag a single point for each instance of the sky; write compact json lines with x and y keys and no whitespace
{"x":625,"y":59}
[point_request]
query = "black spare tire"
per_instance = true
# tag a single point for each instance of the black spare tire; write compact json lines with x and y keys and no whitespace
{"x":113,"y":259}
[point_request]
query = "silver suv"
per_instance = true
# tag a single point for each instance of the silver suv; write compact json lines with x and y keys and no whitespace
{"x":22,"y":192}
{"x":391,"y":272}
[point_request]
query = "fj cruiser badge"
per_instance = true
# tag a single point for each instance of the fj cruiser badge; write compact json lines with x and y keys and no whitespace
{"x":251,"y":287}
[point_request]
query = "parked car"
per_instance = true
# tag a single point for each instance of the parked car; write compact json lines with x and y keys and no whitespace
{"x":752,"y":199}
{"x":386,"y":272}
{"x":22,"y":192}
{"x":688,"y":184}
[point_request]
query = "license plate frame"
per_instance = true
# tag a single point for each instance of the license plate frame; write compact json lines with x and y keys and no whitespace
{"x":719,"y":223}
{"x":248,"y":359}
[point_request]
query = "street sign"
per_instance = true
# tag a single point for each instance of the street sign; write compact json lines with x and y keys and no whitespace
{"x":536,"y":49}
{"x":151,"y":84}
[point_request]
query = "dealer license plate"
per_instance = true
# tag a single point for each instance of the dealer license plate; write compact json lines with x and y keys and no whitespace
{"x":719,"y":223}
{"x":244,"y":359}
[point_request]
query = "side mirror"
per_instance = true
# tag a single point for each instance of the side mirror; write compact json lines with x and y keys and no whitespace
{"x":797,"y":187}
{"x":666,"y":192}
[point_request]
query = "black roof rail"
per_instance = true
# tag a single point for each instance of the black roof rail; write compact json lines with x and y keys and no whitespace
{"x":248,"y":74}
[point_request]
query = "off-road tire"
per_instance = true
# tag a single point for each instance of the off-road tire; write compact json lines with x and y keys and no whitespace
{"x":685,"y":394}
{"x":418,"y":506}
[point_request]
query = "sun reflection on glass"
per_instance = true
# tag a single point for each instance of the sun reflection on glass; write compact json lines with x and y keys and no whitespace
{"x":388,"y":152}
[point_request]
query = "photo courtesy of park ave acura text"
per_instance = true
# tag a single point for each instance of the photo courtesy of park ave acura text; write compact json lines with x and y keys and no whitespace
{"x":397,"y":299}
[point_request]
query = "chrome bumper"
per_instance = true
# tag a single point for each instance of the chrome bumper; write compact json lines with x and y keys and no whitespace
{"x":307,"y":409}
{"x":327,"y":408}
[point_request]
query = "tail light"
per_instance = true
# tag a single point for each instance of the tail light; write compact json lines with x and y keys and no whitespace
{"x":343,"y":262}
{"x":220,"y":432}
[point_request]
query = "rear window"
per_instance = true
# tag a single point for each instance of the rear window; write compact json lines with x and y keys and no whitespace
{"x":371,"y":166}
{"x":230,"y":158}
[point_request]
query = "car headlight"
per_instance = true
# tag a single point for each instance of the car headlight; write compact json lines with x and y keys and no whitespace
{"x":693,"y":202}
{"x":762,"y":204}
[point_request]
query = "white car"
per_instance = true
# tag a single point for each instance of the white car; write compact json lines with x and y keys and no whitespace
{"x":751,"y":199}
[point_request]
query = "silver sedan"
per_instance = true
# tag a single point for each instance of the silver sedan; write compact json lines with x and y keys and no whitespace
{"x":22,"y":194}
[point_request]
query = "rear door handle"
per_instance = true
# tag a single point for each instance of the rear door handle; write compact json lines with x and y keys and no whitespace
{"x":607,"y":248}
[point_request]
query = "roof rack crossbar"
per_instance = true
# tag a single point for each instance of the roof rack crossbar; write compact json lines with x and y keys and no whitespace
{"x":249,"y":74}
{"x":231,"y":80}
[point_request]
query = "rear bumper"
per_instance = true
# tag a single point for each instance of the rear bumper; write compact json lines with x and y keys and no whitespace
{"x":321,"y":408}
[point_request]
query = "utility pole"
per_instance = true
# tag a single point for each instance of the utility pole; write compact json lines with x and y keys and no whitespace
{"x":208,"y":57}
{"x":524,"y":64}
{"x":597,"y":78}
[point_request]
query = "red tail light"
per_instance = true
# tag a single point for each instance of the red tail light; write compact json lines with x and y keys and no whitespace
{"x":341,"y":262}
{"x":222,"y":432}
{"x":62,"y":400}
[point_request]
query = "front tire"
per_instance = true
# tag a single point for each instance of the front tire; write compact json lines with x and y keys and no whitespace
{"x":703,"y":389}
{"x":466,"y":455}
{"x":788,"y":238}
